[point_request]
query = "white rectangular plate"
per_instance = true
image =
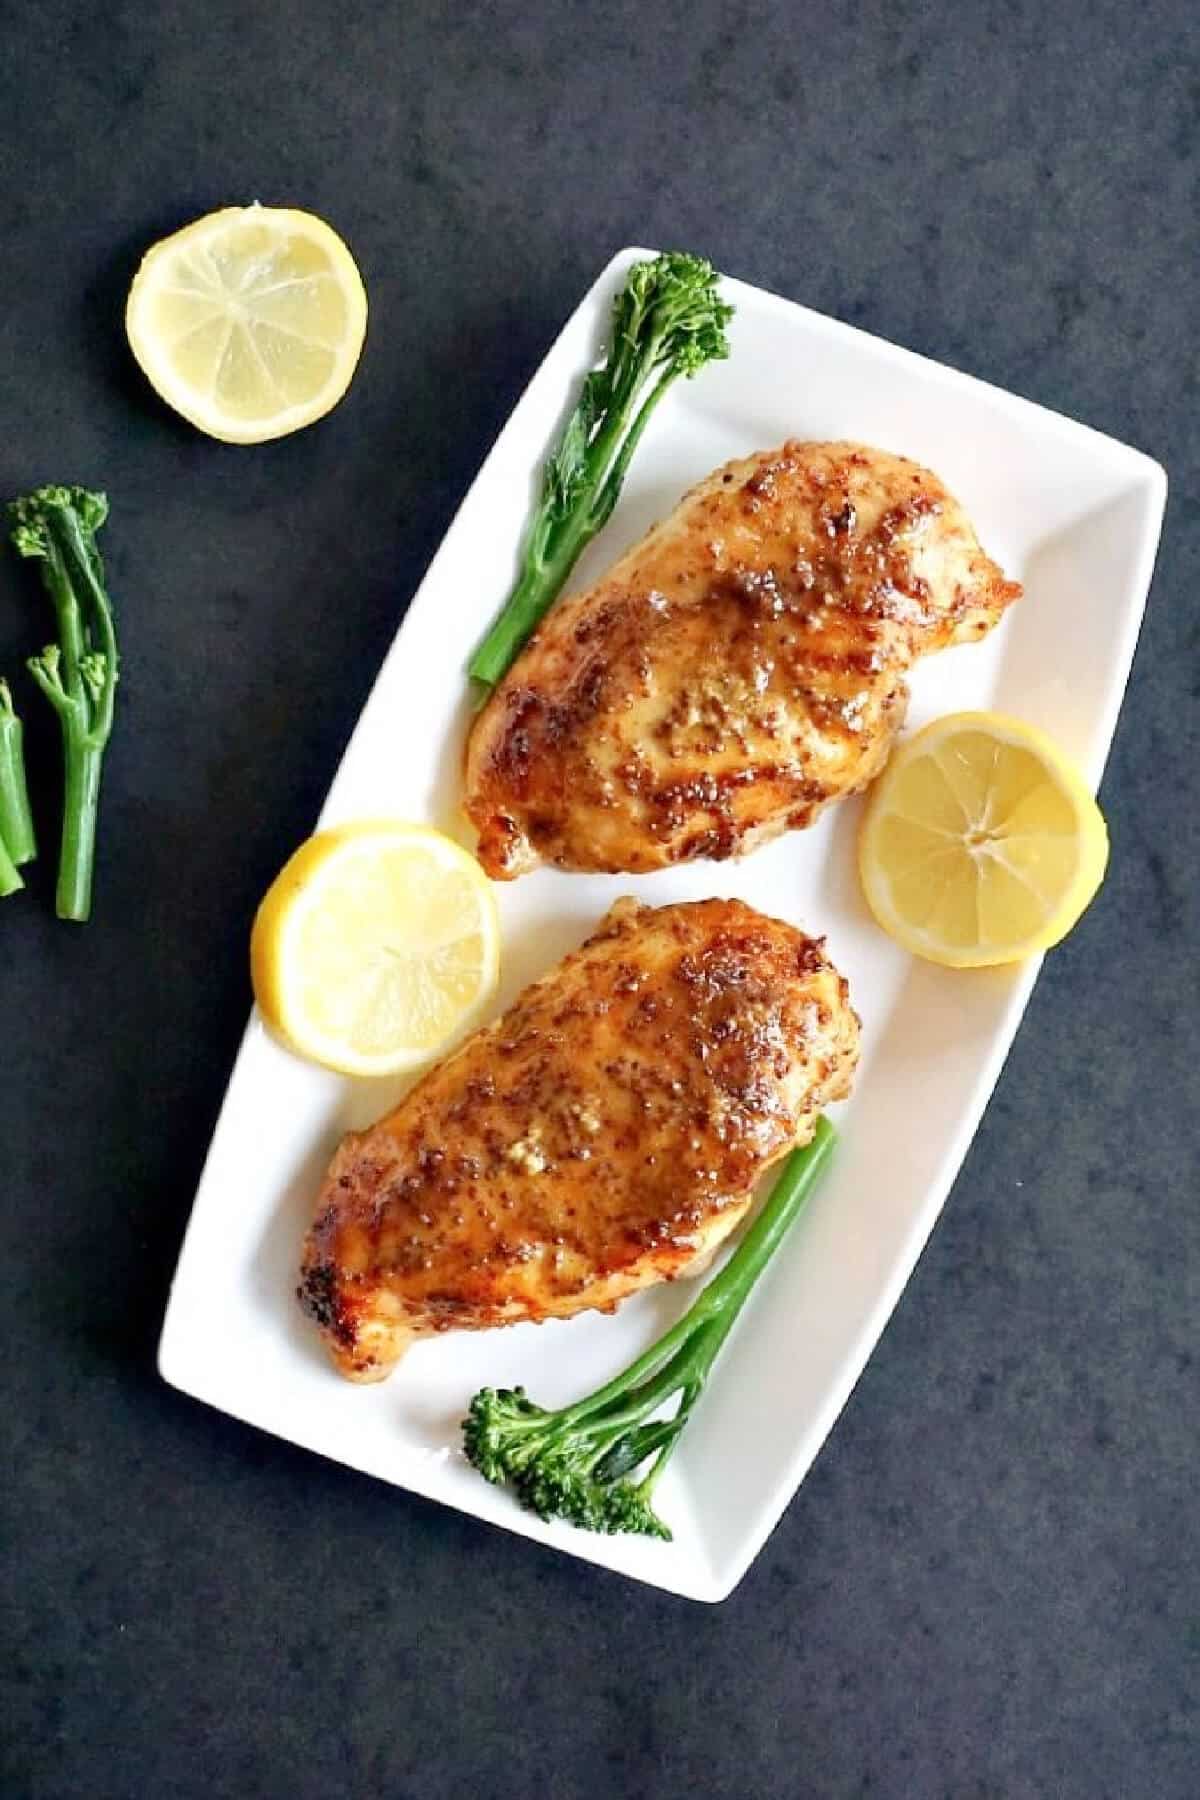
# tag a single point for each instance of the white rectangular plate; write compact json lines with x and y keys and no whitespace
{"x":1073,"y":515}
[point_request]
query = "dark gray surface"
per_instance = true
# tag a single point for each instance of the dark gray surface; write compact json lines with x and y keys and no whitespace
{"x":989,"y":1584}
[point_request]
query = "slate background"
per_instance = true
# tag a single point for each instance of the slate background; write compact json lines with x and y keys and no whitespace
{"x":989,"y":1585}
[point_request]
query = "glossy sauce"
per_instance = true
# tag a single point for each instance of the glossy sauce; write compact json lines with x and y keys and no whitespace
{"x":609,"y":1128}
{"x":735,"y":672}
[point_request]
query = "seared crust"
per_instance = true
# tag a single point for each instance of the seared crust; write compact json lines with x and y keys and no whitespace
{"x":605,"y":1133}
{"x":738,"y":670}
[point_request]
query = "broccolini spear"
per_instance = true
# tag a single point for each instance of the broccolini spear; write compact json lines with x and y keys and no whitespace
{"x":582,"y":1464}
{"x":10,"y":875}
{"x":17,"y":843}
{"x":78,"y":674}
{"x":667,"y":321}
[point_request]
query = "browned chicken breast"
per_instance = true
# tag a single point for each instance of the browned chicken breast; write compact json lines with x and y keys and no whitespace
{"x":605,"y":1133}
{"x":736,"y":671}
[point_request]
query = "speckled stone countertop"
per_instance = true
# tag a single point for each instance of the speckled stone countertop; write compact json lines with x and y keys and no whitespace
{"x":989,"y":1584}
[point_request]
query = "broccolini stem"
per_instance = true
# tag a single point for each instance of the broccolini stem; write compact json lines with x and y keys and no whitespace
{"x":10,"y":878}
{"x":714,"y":1313}
{"x":614,"y":481}
{"x":687,"y":1352}
{"x":667,"y":321}
{"x":74,"y":570}
{"x":727,"y":1293}
{"x":538,"y":579}
{"x":73,"y":898}
{"x":16,"y":820}
{"x":582,"y":1463}
{"x":87,"y":723}
{"x":57,"y":526}
{"x":554,"y":550}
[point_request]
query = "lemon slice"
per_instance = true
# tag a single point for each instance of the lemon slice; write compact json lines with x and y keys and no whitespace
{"x":980,"y":842}
{"x":374,"y":946}
{"x":249,"y":322}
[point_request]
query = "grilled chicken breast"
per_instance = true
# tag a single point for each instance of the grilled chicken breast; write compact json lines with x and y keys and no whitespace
{"x":607,"y":1132}
{"x":735,"y":672}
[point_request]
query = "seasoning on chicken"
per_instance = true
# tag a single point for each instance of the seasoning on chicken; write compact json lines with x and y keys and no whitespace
{"x":606,"y":1133}
{"x":735,"y":672}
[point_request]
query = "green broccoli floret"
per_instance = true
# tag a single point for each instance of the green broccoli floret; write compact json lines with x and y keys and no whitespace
{"x":595,"y":1464}
{"x":57,"y":527}
{"x":667,"y":321}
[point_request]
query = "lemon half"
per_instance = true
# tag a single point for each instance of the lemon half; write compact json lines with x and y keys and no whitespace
{"x":249,"y":322}
{"x":980,"y":843}
{"x":374,"y":946}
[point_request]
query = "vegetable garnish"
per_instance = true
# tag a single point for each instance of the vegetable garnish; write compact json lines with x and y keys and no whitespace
{"x":78,"y":674}
{"x":579,"y":1464}
{"x":667,"y":321}
{"x":10,"y":875}
{"x":17,"y":842}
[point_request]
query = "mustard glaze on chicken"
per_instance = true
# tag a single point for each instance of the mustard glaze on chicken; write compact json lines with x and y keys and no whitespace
{"x":735,"y":672}
{"x":605,"y":1133}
